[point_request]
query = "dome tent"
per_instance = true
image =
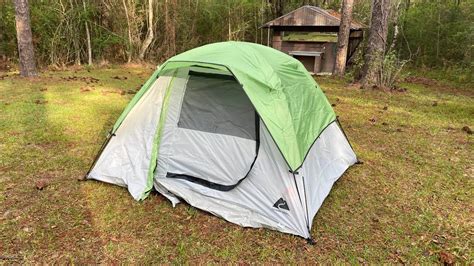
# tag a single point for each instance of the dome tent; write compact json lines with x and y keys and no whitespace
{"x":236,"y":129}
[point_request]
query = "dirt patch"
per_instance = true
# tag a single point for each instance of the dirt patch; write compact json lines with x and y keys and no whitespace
{"x":467,"y":130}
{"x":41,"y":184}
{"x":354,"y":85}
{"x":421,"y":80}
{"x":395,"y":89}
{"x":121,"y":92}
{"x":88,"y":80}
{"x":439,"y":86}
{"x":41,"y":101}
{"x":85,"y":89}
{"x":446,"y":258}
{"x":120,"y":78}
{"x":139,"y":65}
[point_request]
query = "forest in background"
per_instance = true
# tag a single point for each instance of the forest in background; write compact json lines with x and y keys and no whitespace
{"x":427,"y":33}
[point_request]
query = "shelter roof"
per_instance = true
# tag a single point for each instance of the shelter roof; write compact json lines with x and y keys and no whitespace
{"x":311,"y":16}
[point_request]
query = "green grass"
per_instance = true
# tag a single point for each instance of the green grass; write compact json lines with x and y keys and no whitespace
{"x":411,"y":199}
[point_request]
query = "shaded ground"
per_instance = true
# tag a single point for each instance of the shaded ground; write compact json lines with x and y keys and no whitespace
{"x":411,"y":200}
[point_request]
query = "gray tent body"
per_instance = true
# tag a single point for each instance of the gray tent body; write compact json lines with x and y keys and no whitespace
{"x":216,"y":154}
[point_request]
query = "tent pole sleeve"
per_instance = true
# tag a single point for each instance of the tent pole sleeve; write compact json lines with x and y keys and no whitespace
{"x":135,"y":99}
{"x":157,"y":139}
{"x":268,"y":37}
{"x":301,"y":202}
{"x":306,"y":205}
{"x":122,"y":116}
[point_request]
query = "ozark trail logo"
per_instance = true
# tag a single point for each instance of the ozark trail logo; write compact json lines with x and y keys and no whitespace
{"x":281,"y":204}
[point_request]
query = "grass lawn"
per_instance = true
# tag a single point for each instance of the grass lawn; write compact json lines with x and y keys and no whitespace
{"x":412,"y":200}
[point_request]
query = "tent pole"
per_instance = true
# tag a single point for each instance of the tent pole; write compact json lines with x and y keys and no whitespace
{"x":107,"y":140}
{"x":309,"y":239}
{"x":306,"y":206}
{"x":268,"y":37}
{"x":345,"y":135}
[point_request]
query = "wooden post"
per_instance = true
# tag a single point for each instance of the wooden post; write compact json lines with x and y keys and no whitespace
{"x":268,"y":37}
{"x":317,"y":63}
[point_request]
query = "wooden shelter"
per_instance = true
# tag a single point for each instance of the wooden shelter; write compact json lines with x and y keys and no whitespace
{"x":309,"y":34}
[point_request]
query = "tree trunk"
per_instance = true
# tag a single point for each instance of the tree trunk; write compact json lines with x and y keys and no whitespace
{"x":170,"y":27}
{"x":277,"y":7}
{"x":395,"y":26}
{"x":24,"y":37}
{"x":438,"y":30}
{"x":75,"y":38}
{"x":343,"y":37}
{"x":229,"y":25}
{"x":129,"y":52}
{"x":150,"y":34}
{"x":376,"y":43}
{"x":88,"y":36}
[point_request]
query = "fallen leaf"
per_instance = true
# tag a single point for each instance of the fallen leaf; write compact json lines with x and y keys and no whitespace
{"x":85,"y":89}
{"x":41,"y":184}
{"x":41,"y":101}
{"x":467,"y":130}
{"x":446,"y":258}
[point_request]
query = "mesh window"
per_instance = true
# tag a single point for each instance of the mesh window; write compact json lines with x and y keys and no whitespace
{"x":216,"y":103}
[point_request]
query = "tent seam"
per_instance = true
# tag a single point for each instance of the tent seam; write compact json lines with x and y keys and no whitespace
{"x":156,"y":140}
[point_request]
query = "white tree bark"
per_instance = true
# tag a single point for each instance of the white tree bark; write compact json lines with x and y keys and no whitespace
{"x":150,"y":33}
{"x":129,"y":52}
{"x":88,"y":36}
